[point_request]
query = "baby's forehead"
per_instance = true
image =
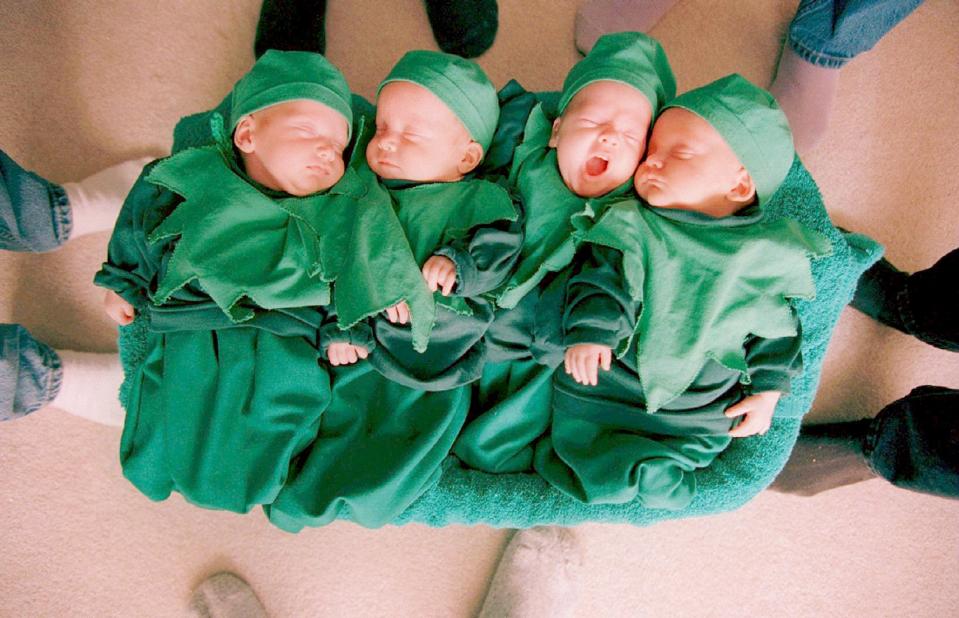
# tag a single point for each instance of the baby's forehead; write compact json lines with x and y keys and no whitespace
{"x":683,"y":124}
{"x":611,"y":96}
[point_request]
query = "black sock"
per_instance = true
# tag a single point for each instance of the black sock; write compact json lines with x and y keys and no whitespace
{"x":466,"y":28}
{"x":877,"y":294}
{"x":291,"y":25}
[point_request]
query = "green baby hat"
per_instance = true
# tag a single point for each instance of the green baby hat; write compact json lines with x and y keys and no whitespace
{"x":751,"y":122}
{"x":631,"y":58}
{"x":459,"y":83}
{"x":280,"y":76}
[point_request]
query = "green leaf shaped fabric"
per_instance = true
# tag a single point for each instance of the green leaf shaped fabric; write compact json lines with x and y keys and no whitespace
{"x":433,"y":215}
{"x":705,"y":285}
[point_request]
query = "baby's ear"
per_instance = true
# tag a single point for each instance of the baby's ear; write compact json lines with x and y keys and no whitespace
{"x":554,"y":135}
{"x":471,"y":158}
{"x":744,"y":190}
{"x":243,"y":134}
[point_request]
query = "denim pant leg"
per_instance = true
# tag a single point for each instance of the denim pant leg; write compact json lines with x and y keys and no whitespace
{"x":830,"y":33}
{"x":30,"y":372}
{"x":914,"y":442}
{"x":34,"y":213}
{"x":929,"y":303}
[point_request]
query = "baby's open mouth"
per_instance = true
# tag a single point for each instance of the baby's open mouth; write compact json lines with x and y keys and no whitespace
{"x":596,"y":165}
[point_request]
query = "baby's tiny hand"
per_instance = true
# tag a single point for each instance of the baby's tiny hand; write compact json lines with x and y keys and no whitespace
{"x":345,"y":353}
{"x":583,"y":361}
{"x":440,"y":272}
{"x":757,"y":412}
{"x":398,"y":313}
{"x":119,"y":310}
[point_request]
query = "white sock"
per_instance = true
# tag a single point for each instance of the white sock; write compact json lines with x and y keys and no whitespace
{"x":90,"y":387}
{"x":538,"y":576}
{"x":95,"y":201}
{"x":598,"y":17}
{"x":807,"y":94}
{"x":225,"y":595}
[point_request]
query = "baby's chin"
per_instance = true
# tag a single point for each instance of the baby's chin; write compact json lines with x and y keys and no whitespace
{"x":309,"y":185}
{"x":585,"y":185}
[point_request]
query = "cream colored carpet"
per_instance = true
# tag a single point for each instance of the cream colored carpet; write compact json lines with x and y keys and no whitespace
{"x":86,"y":83}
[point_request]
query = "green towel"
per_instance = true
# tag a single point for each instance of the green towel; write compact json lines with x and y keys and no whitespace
{"x":739,"y":474}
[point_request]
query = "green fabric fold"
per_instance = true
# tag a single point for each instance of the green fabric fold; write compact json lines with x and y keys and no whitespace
{"x":555,"y":216}
{"x":712,"y":286}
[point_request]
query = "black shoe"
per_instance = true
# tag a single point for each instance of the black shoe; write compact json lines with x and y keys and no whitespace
{"x":466,"y":28}
{"x":291,"y":25}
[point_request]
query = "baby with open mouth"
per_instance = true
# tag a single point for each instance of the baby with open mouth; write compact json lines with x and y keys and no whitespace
{"x":576,"y":157}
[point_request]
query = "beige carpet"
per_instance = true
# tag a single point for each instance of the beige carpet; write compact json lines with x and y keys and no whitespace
{"x":86,"y":83}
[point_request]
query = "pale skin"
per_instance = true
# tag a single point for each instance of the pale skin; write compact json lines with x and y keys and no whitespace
{"x":601,"y":137}
{"x":295,"y":147}
{"x":688,"y":166}
{"x":418,"y":138}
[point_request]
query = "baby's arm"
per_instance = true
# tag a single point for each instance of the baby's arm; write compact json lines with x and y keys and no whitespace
{"x":600,"y":313}
{"x":344,"y":347}
{"x":478,"y":263}
{"x":772,"y":364}
{"x":132,"y":263}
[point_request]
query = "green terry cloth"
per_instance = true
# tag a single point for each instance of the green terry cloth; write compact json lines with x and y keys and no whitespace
{"x":459,"y":83}
{"x":705,"y":285}
{"x":745,"y":468}
{"x":632,"y":58}
{"x":380,"y":446}
{"x":554,"y":215}
{"x":217,"y":415}
{"x":751,"y":122}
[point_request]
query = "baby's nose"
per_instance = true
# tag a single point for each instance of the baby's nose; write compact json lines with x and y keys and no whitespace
{"x":609,"y":138}
{"x":387,"y":144}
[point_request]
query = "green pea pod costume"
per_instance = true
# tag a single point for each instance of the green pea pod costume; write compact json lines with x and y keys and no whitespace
{"x":231,"y":390}
{"x":392,"y":419}
{"x":511,"y":401}
{"x":714,"y":325}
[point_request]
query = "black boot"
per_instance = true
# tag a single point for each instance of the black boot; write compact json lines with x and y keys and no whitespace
{"x":466,"y":28}
{"x":291,"y":25}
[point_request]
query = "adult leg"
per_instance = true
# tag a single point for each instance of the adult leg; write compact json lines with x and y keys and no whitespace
{"x":291,"y":25}
{"x":225,"y":595}
{"x":34,"y":375}
{"x":923,"y":304}
{"x":38,"y":215}
{"x":598,"y":17}
{"x":913,"y":443}
{"x":823,"y":36}
{"x":463,"y":27}
{"x":537,"y":577}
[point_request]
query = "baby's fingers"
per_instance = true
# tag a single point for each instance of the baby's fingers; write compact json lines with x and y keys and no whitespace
{"x":748,"y":427}
{"x":592,"y":369}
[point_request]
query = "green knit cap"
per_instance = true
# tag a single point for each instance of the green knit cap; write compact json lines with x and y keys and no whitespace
{"x":631,"y":58}
{"x":751,"y":122}
{"x":461,"y":84}
{"x":280,"y":76}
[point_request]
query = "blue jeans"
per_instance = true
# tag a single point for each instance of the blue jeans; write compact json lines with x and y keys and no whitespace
{"x":34,"y":216}
{"x":34,"y":213}
{"x":30,"y":372}
{"x":830,"y":33}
